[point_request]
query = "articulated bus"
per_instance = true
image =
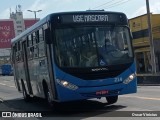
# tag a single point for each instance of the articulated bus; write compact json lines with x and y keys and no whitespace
{"x":71,"y":56}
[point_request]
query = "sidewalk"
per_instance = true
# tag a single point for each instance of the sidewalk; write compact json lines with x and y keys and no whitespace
{"x":148,"y":79}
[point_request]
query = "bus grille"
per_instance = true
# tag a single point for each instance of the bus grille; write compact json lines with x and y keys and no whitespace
{"x":88,"y":74}
{"x":99,"y":75}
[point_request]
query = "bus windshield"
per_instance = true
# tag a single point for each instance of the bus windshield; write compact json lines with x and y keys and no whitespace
{"x":82,"y":47}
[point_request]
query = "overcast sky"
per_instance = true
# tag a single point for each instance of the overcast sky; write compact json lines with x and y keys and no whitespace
{"x":131,"y":8}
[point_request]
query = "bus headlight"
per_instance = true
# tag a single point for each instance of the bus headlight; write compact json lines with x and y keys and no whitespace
{"x":67,"y":84}
{"x":129,"y":79}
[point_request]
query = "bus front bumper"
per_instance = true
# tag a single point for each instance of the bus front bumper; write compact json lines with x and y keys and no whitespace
{"x":81,"y":93}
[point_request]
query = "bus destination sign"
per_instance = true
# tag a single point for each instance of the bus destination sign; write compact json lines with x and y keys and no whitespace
{"x":91,"y":18}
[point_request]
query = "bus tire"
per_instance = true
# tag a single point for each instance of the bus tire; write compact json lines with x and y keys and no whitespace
{"x":25,"y":95}
{"x":48,"y":99}
{"x":112,"y":99}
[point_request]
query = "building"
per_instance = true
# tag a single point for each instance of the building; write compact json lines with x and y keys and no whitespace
{"x":20,"y":23}
{"x":6,"y":34}
{"x":141,"y":43}
{"x":9,"y":28}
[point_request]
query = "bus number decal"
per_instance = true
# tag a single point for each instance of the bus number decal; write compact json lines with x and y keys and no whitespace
{"x":117,"y":79}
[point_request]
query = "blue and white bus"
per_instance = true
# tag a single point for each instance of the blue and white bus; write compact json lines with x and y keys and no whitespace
{"x":75,"y":56}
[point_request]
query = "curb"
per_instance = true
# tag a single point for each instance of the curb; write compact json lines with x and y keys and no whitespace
{"x":148,"y":84}
{"x":148,"y":80}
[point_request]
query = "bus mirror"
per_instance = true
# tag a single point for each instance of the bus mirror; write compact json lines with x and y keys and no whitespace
{"x":47,"y":36}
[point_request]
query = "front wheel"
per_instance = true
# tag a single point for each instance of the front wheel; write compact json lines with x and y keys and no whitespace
{"x":112,"y":99}
{"x":51,"y":104}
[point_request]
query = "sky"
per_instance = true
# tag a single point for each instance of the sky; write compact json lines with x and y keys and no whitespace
{"x":131,"y":8}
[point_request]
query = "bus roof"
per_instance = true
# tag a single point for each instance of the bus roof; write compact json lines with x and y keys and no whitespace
{"x":39,"y":23}
{"x":48,"y":17}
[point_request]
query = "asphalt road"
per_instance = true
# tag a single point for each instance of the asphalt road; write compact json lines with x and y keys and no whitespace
{"x":146,"y":100}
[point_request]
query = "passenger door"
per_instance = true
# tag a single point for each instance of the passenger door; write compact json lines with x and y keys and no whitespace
{"x":25,"y":58}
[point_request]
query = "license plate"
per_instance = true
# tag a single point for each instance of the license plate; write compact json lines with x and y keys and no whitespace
{"x":102,"y":92}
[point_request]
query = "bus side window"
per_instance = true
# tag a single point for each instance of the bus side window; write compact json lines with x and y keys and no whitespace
{"x":35,"y":51}
{"x":27,"y":47}
{"x":13,"y":55}
{"x":20,"y":51}
{"x":30,"y":47}
{"x":16,"y":52}
{"x":31,"y":51}
{"x":35,"y":41}
{"x":41,"y":49}
{"x":47,"y":36}
{"x":34,"y":38}
{"x":41,"y":35}
{"x":30,"y":40}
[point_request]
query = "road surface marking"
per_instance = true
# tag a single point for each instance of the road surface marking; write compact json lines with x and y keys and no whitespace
{"x":6,"y":81}
{"x":12,"y":86}
{"x":2,"y":84}
{"x":146,"y":98}
{"x":7,"y":85}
